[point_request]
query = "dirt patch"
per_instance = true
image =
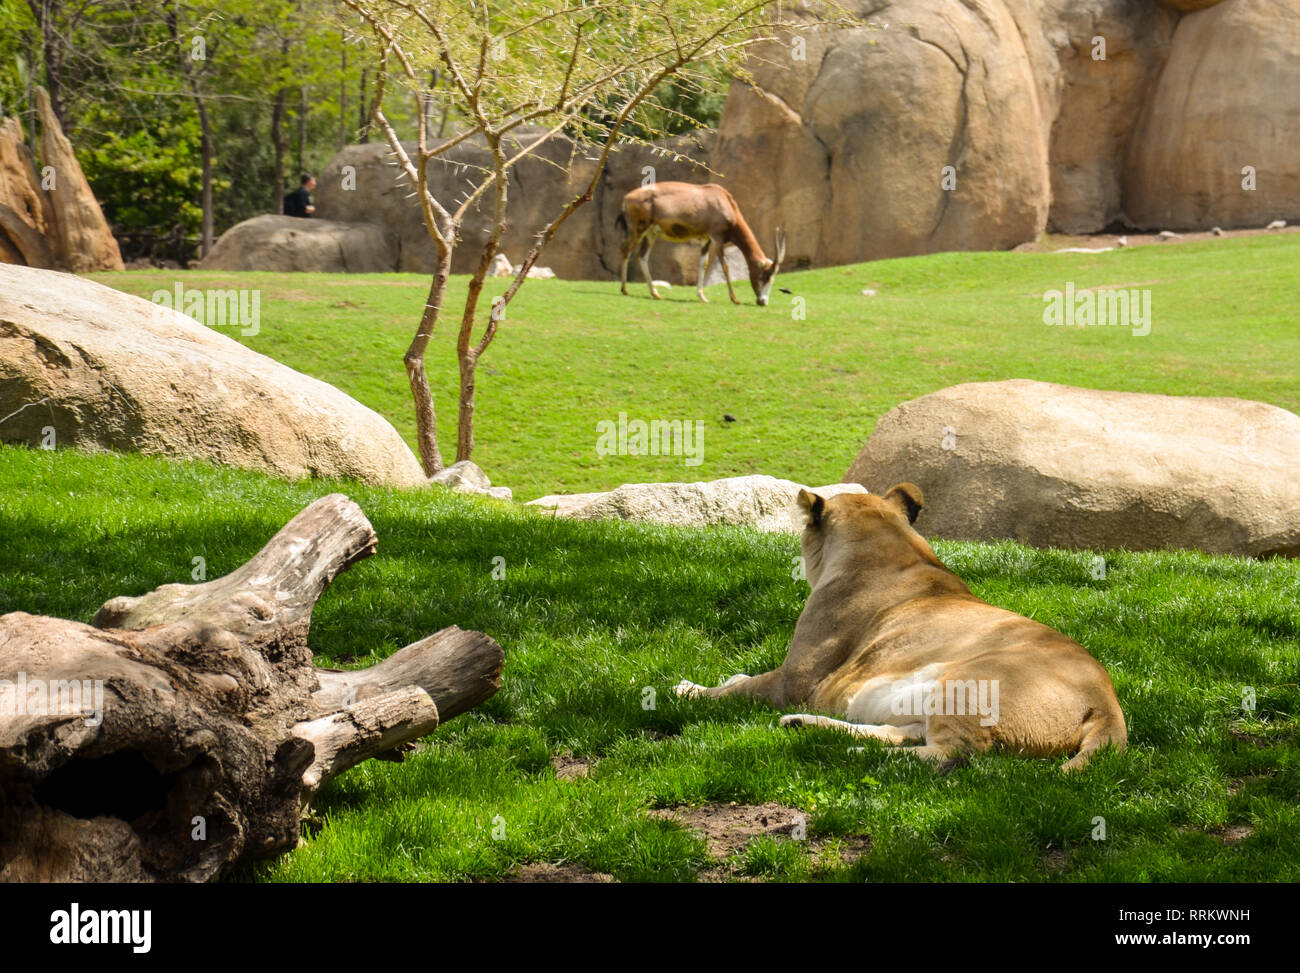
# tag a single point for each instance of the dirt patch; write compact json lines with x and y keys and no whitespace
{"x":658,"y":735}
{"x":1055,"y":859}
{"x":568,"y":873}
{"x":729,"y":828}
{"x":1238,"y":782}
{"x":569,"y":767}
{"x":1230,"y":834}
{"x":1276,"y":735}
{"x":851,"y":847}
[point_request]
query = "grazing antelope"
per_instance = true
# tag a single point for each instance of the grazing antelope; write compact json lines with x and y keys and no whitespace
{"x":681,"y":212}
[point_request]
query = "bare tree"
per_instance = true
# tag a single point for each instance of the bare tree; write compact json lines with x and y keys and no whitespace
{"x":591,"y":66}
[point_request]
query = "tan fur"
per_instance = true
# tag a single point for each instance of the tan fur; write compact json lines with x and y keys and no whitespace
{"x":884,"y":607}
{"x":682,"y":212}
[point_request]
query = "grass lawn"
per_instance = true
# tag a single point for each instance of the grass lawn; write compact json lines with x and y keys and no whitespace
{"x":591,"y":614}
{"x":599,"y":620}
{"x":806,"y":392}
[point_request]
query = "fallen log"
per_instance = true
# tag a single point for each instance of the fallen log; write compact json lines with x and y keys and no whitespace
{"x":188,"y":730}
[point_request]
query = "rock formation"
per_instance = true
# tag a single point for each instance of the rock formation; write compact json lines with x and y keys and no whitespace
{"x":50,"y":220}
{"x":1055,"y":466}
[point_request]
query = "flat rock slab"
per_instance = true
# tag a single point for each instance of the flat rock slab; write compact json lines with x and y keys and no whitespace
{"x":1055,"y":466}
{"x":86,"y":366}
{"x":764,"y":502}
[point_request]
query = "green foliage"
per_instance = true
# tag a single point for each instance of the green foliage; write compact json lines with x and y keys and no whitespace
{"x":147,"y":181}
{"x":18,"y":40}
{"x":580,"y":67}
{"x":128,"y":86}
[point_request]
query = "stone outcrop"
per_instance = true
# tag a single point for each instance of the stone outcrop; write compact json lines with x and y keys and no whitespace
{"x":844,"y":135}
{"x":923,"y":127}
{"x":51,"y":219}
{"x":85,"y":366}
{"x":846,"y":148}
{"x":1228,"y":98}
{"x":1055,"y":466}
{"x":1092,"y":104}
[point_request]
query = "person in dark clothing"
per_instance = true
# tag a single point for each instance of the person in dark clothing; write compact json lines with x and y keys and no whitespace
{"x":298,"y":202}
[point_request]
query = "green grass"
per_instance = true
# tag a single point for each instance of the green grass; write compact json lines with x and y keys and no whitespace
{"x":806,"y":392}
{"x":590,"y":614}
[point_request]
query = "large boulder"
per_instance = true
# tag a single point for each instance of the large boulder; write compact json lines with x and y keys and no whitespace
{"x":841,"y":135}
{"x":1229,"y":97}
{"x":1055,"y":466}
{"x":363,"y":183}
{"x":293,"y":243}
{"x":846,"y":147}
{"x":763,"y":502}
{"x":83,"y":365}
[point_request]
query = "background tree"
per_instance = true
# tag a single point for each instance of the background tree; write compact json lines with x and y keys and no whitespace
{"x":594,"y":68}
{"x":127,"y":90}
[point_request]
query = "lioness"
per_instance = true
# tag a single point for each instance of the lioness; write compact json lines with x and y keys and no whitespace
{"x":895,"y":643}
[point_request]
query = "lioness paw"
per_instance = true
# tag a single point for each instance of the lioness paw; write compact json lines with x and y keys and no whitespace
{"x":797,"y":721}
{"x":688,"y":689}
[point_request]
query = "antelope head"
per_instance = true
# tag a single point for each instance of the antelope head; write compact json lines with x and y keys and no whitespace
{"x":768,"y":270}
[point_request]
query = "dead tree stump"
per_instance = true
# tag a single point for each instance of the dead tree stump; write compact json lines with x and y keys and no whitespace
{"x":188,"y":729}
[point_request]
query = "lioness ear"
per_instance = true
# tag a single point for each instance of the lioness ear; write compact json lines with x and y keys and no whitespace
{"x":907,"y":499}
{"x":813,"y":506}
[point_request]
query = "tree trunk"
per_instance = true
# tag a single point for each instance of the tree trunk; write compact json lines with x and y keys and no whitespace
{"x":426,"y":421}
{"x":277,"y":151}
{"x":302,"y":128}
{"x":467,"y":354}
{"x":205,"y":128}
{"x":343,"y":92}
{"x":49,"y":17}
{"x":364,"y":112}
{"x":208,"y":729}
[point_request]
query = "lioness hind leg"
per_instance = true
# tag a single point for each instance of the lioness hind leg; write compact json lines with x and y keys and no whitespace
{"x":883,"y":731}
{"x":693,"y":690}
{"x":930,"y":752}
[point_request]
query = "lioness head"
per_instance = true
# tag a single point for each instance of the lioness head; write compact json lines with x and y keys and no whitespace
{"x":870,"y":529}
